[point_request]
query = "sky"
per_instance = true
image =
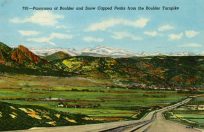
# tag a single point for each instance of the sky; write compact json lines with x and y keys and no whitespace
{"x":134,"y":30}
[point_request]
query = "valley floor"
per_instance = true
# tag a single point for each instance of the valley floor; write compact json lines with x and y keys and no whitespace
{"x":91,"y":97}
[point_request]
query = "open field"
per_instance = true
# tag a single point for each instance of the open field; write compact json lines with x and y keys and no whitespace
{"x":84,"y":96}
{"x":189,"y":114}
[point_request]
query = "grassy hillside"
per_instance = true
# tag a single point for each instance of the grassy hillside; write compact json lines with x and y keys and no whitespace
{"x":16,"y":117}
{"x":157,"y":71}
{"x":57,"y":56}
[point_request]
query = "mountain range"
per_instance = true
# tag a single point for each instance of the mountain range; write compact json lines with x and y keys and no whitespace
{"x":22,"y":60}
{"x":144,"y":71}
{"x":104,"y":51}
{"x":49,"y":51}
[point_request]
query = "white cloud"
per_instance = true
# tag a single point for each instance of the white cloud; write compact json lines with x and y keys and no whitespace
{"x":28,"y":32}
{"x":175,"y":36}
{"x":166,"y":27}
{"x":93,"y":39}
{"x":191,"y":33}
{"x":151,"y":33}
{"x":41,"y":40}
{"x":61,"y":27}
{"x":60,"y":36}
{"x":125,"y":35}
{"x":49,"y":39}
{"x":191,"y":45}
{"x":43,"y":18}
{"x":103,"y":25}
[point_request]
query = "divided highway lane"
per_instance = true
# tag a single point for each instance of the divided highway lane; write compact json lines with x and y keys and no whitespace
{"x":136,"y":126}
{"x":155,"y":117}
{"x":163,"y":125}
{"x":88,"y":128}
{"x":152,"y":122}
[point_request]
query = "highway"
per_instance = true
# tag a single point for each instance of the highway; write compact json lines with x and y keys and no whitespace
{"x":152,"y":122}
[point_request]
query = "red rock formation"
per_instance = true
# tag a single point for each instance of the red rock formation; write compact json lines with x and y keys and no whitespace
{"x":27,"y":52}
{"x":18,"y":56}
{"x":1,"y":58}
{"x":2,"y":61}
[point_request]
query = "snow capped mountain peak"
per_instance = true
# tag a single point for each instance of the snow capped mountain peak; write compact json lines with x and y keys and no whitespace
{"x":49,"y":51}
{"x":104,"y":51}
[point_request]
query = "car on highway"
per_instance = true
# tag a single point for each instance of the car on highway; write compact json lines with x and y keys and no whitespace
{"x":189,"y":126}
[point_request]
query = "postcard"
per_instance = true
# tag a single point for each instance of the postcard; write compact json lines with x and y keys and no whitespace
{"x":102,"y":65}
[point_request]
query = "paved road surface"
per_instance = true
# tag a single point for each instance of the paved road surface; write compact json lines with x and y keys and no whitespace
{"x":160,"y":124}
